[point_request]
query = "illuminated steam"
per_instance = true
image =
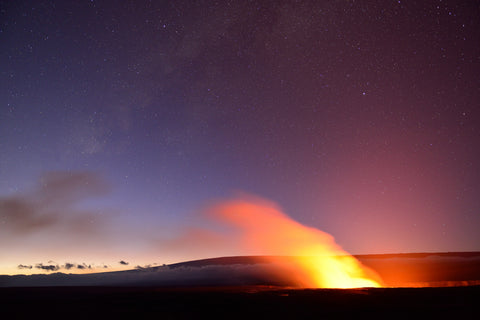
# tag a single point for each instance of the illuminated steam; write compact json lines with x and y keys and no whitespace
{"x":317,"y":261}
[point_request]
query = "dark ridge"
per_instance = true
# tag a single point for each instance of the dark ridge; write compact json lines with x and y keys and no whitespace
{"x":228,"y":261}
{"x":468,"y":254}
{"x":267,"y":259}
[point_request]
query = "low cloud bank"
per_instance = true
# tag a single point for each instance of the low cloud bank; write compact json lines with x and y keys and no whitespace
{"x":212,"y":275}
{"x":22,"y":266}
{"x":50,"y":267}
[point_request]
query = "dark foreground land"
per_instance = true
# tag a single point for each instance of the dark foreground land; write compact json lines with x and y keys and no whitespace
{"x":239,"y":303}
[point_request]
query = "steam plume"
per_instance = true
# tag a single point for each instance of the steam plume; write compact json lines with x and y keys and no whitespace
{"x":317,"y":261}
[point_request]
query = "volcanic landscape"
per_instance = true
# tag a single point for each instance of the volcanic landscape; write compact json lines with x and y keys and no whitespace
{"x":418,"y":284}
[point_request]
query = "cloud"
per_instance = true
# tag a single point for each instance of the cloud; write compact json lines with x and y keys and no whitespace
{"x":147,"y":266}
{"x":123,"y":263}
{"x":50,"y":267}
{"x":53,"y":266}
{"x":51,"y":204}
{"x":83,"y":266}
{"x":79,"y":266}
{"x":68,"y":266}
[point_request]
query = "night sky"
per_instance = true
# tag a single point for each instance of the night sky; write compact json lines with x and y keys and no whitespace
{"x":120,"y":121}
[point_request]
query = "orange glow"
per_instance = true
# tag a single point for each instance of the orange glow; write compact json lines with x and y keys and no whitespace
{"x":317,"y":261}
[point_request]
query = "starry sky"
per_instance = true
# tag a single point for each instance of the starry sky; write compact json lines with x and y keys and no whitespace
{"x":121,"y":120}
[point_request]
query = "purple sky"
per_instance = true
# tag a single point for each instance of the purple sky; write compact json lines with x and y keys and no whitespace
{"x":120,"y":121}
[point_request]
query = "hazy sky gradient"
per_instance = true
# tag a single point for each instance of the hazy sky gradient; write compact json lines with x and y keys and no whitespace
{"x":121,"y":121}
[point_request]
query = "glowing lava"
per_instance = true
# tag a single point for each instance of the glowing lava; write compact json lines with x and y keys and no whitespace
{"x":316,"y":260}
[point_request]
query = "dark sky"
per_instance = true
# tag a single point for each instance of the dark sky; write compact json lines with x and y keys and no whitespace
{"x":120,"y":120}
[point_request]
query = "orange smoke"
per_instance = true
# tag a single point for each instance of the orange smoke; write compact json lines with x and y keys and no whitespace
{"x":316,"y":260}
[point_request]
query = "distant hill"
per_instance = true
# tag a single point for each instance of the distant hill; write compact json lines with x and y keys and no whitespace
{"x":426,"y":269}
{"x":408,"y":269}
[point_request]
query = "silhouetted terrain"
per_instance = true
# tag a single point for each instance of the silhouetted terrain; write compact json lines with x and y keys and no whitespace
{"x":239,"y":303}
{"x":426,"y":269}
{"x":243,"y":288}
{"x":396,"y":270}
